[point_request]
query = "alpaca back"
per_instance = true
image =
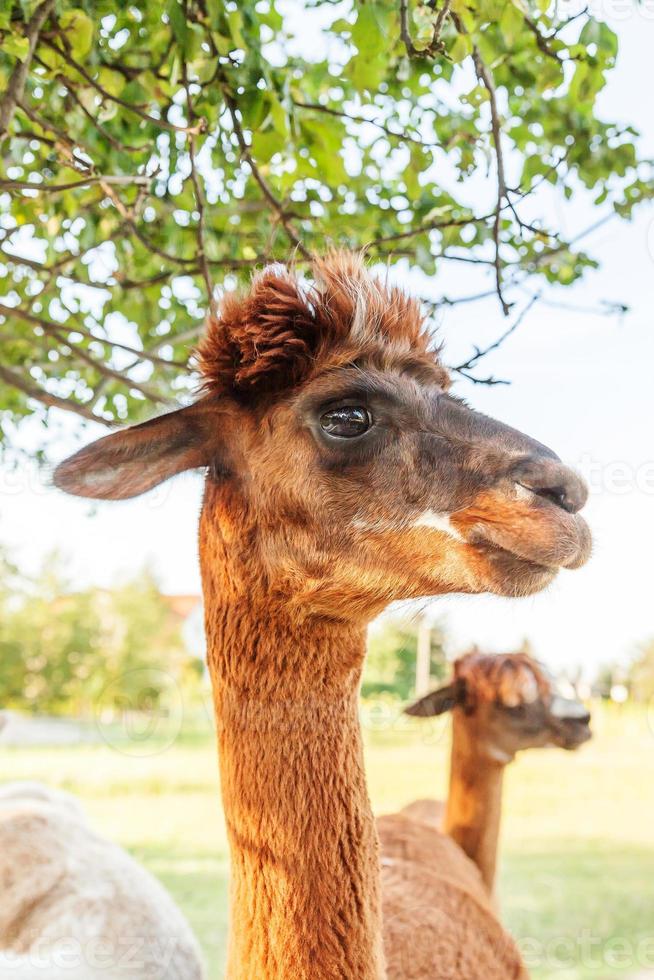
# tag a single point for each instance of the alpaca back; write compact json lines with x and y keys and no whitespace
{"x":425,"y":811}
{"x":73,"y":903}
{"x":439,"y":922}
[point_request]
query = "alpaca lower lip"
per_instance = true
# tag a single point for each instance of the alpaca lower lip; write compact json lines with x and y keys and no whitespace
{"x":500,"y":554}
{"x":512,"y":575}
{"x":561,"y":541}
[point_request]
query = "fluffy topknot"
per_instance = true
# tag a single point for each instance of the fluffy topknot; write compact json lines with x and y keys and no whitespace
{"x":504,"y":678}
{"x":274,"y":335}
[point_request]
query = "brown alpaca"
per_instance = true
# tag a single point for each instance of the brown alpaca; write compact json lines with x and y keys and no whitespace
{"x":501,"y":705}
{"x":341,"y":475}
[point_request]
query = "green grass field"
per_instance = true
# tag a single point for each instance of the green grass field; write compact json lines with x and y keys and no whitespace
{"x":577,"y":878}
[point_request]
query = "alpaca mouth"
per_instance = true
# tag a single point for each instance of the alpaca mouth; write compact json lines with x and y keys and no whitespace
{"x":553,"y":548}
{"x":535,"y":532}
{"x":571,"y":733}
{"x":512,"y":575}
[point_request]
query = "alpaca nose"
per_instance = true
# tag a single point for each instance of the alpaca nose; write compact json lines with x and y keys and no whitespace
{"x":551,"y":479}
{"x":566,"y":709}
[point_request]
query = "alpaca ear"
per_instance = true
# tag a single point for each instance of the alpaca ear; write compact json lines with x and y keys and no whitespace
{"x":128,"y":463}
{"x":437,"y":702}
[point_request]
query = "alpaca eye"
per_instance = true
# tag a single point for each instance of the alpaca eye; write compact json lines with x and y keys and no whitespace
{"x":346,"y":422}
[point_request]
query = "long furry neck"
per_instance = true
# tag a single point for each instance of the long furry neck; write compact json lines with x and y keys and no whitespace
{"x":304,"y":893}
{"x":474,"y":804}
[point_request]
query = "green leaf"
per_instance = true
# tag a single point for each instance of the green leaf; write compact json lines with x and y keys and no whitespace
{"x":511,"y":24}
{"x":461,"y":48}
{"x":16,"y":46}
{"x":279,"y":117}
{"x":79,"y":29}
{"x":112,"y":81}
{"x":265,"y":145}
{"x":235,"y":21}
{"x":178,"y":23}
{"x":215,"y":10}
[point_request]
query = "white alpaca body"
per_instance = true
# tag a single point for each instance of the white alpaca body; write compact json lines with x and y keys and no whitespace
{"x":74,"y":906}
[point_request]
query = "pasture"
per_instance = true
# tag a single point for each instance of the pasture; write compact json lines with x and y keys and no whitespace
{"x":577,"y":859}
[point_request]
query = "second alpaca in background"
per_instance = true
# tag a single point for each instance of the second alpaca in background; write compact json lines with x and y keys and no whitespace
{"x":501,"y":704}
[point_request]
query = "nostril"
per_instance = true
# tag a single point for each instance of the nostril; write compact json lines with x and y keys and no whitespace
{"x":552,"y":481}
{"x":556,"y":495}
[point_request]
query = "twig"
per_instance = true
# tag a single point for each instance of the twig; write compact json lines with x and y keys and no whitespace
{"x":18,"y":79}
{"x":485,"y":77}
{"x":30,"y":185}
{"x":483,"y":352}
{"x":541,"y":40}
{"x":199,"y":198}
{"x":161,"y":123}
{"x":116,"y":143}
{"x":460,"y":300}
{"x":246,"y":155}
{"x":403,"y":136}
{"x":32,"y":390}
{"x":568,"y":21}
{"x":430,"y":226}
{"x":29,"y":134}
{"x":605,"y":307}
{"x":440,"y":20}
{"x":405,"y":33}
{"x":147,"y":243}
{"x":435,"y":45}
{"x":490,"y":380}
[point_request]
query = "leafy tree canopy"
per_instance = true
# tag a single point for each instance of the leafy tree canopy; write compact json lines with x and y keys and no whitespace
{"x":153,"y":153}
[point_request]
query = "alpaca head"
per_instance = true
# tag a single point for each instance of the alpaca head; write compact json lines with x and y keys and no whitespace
{"x":506,"y":703}
{"x":332,"y":441}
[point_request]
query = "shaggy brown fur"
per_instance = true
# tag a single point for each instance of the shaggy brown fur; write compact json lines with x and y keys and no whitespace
{"x":438,"y":919}
{"x":304,"y":537}
{"x":283,"y":330}
{"x":502,"y":704}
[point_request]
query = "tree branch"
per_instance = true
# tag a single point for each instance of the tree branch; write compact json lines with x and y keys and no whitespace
{"x":542,"y":41}
{"x":246,"y":155}
{"x":59,"y":330}
{"x":405,"y":33}
{"x":31,"y":185}
{"x":32,"y":390}
{"x":440,"y":20}
{"x":402,"y":136}
{"x":483,"y":352}
{"x":161,"y":123}
{"x":18,"y":79}
{"x":485,"y":77}
{"x":199,"y":198}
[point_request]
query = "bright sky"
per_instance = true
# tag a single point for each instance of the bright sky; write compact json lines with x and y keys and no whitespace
{"x":581,"y":383}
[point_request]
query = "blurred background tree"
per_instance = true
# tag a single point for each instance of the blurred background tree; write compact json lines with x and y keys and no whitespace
{"x":65,"y":652}
{"x":641,"y":673}
{"x":392,"y":655}
{"x":152,"y":154}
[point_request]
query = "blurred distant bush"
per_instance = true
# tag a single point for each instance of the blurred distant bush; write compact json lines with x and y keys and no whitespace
{"x":73,"y":652}
{"x":641,"y":674}
{"x":392,"y":656}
